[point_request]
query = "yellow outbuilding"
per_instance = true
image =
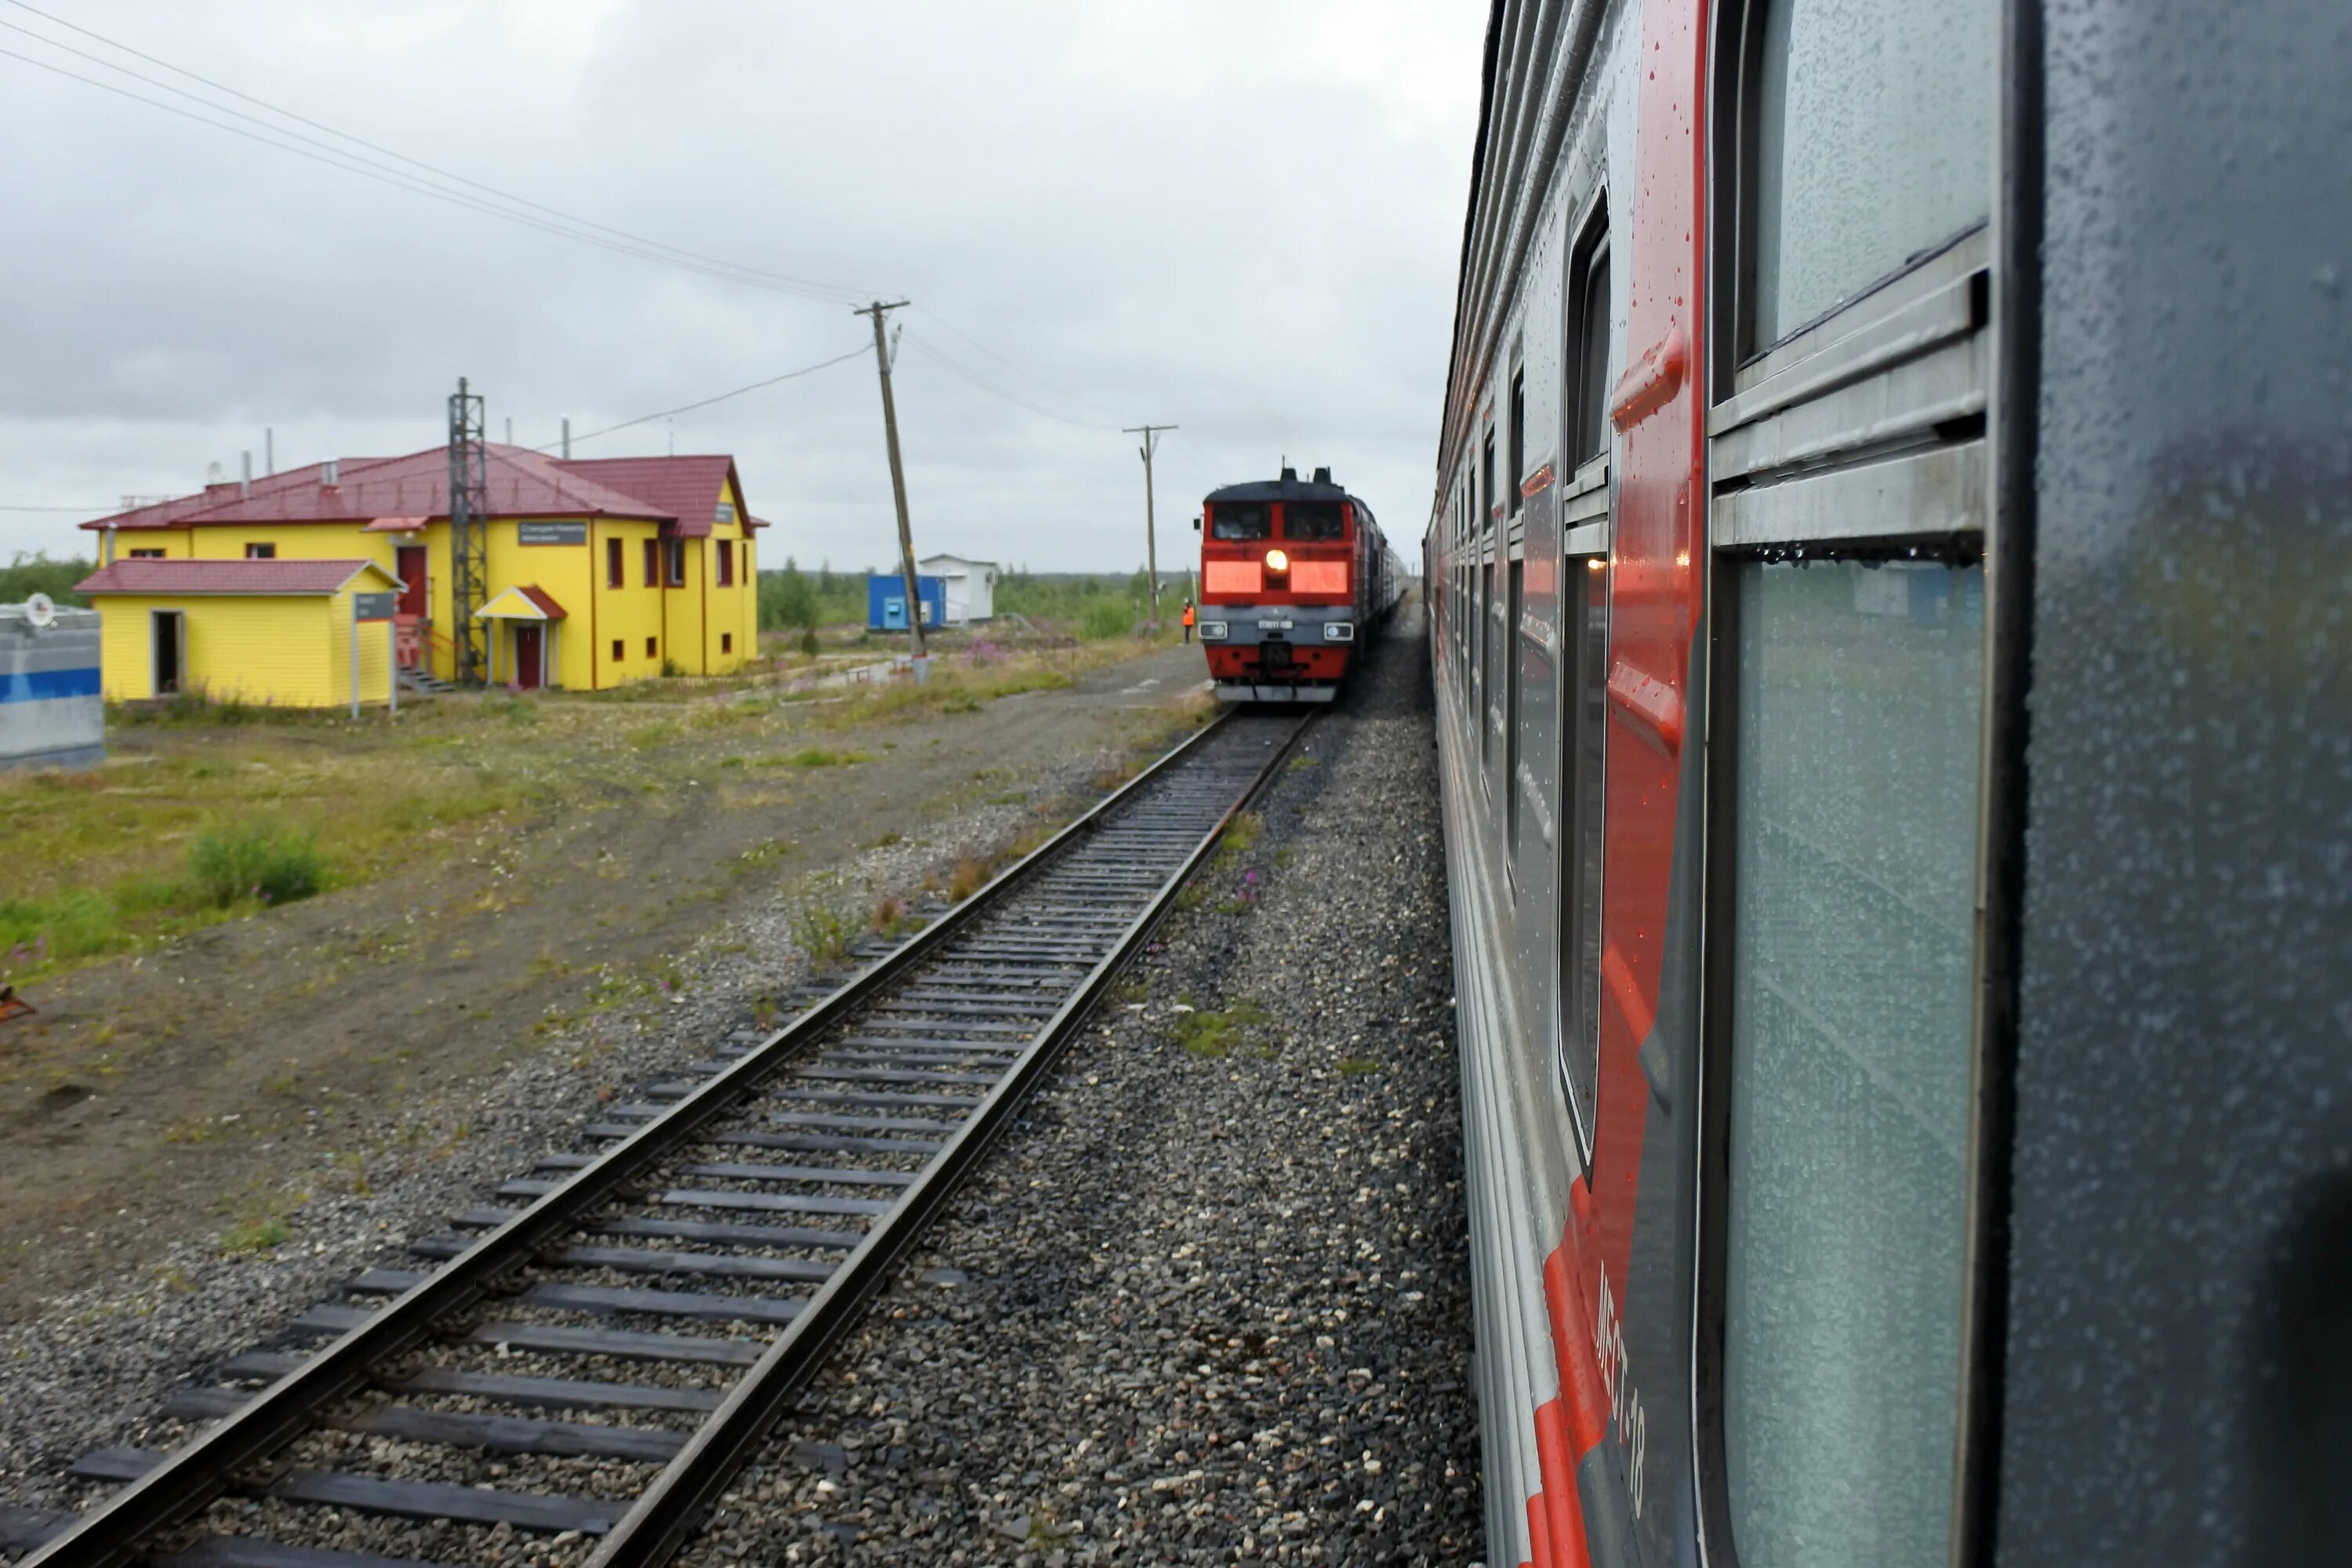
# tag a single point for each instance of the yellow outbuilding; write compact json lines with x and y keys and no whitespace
{"x":599,"y":570}
{"x":280,"y":634}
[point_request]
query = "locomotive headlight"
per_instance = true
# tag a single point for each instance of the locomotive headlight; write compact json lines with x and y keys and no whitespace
{"x":1277,"y":561}
{"x":1212,"y":631}
{"x":1338,"y":631}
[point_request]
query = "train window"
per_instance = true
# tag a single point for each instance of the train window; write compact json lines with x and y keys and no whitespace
{"x":1489,"y":649}
{"x":1518,"y":447}
{"x":1848,"y":514}
{"x":1847,"y":1060}
{"x":1872,"y":143}
{"x":1514,"y":586}
{"x":1588,"y":318}
{"x":1488,"y":513}
{"x":1240,"y":519}
{"x":1583,"y":730}
{"x":1313,"y":520}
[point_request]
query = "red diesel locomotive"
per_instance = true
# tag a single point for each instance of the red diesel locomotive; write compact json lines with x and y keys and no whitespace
{"x":1294,"y":575}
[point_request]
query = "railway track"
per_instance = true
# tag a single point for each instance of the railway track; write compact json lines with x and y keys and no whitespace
{"x":586,"y":1362}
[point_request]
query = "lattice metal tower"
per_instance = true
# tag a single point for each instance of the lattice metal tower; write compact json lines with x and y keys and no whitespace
{"x":469,"y":532}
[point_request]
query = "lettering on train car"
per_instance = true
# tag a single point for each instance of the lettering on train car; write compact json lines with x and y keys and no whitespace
{"x":1624,"y":1400}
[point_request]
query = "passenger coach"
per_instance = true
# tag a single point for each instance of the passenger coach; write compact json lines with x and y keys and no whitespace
{"x":1889,"y":567}
{"x":1295,"y":578}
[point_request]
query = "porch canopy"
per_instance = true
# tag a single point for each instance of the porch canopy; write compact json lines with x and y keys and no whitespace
{"x":529,"y":660}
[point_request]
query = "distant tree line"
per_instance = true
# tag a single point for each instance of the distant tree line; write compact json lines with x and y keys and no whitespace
{"x":38,"y":574}
{"x":1093,"y":604}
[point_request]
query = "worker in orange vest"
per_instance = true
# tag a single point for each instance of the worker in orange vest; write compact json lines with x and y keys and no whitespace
{"x":1188,"y":620}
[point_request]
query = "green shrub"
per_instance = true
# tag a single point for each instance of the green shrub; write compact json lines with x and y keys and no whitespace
{"x":26,"y":575}
{"x":1107,"y":618}
{"x":823,"y":931}
{"x":230,"y":864}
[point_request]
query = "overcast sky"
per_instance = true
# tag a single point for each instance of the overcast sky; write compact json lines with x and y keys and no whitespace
{"x":1236,"y":215}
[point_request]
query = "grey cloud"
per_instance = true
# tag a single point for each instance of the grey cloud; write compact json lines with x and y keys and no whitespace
{"x":1243,"y":218}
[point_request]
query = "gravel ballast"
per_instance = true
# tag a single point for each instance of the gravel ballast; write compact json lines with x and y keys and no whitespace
{"x":1209,"y":1302}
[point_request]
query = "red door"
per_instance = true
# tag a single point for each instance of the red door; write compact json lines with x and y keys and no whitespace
{"x":409,"y":567}
{"x":526,"y":647}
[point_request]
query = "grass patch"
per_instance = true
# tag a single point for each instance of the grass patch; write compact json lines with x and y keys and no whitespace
{"x":823,"y":932}
{"x":1358,"y":1067}
{"x":969,"y":877}
{"x":818,"y":757}
{"x":253,"y":1237}
{"x":1215,"y":1034}
{"x":270,"y":865}
{"x":1239,"y":838}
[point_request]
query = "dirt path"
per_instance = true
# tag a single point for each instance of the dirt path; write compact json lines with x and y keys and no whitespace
{"x":169,"y":1095}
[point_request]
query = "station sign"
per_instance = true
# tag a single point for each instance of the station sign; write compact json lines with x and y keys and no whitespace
{"x":551,"y":532}
{"x":373,"y":606}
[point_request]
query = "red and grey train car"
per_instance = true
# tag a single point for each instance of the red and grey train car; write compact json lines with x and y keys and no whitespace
{"x":1891,"y":571}
{"x":1295,"y":580}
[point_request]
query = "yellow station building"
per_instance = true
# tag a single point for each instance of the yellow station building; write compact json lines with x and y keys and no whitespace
{"x":600,"y":572}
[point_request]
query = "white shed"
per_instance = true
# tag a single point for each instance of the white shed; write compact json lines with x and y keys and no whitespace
{"x":970,"y":584}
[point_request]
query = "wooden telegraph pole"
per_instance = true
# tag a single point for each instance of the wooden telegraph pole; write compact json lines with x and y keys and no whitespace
{"x":1151,"y":434}
{"x":898,"y":473}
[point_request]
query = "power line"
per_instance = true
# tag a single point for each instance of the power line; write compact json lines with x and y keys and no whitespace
{"x":1030,"y":376}
{"x":941,"y":356}
{"x":826,"y":289}
{"x":858,"y":353}
{"x":375,"y":171}
{"x":349,"y":163}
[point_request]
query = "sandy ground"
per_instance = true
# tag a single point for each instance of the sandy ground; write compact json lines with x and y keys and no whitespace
{"x":171,"y":1094}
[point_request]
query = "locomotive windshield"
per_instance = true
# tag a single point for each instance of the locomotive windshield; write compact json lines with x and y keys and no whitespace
{"x":1313,"y":520}
{"x":1239,"y":520}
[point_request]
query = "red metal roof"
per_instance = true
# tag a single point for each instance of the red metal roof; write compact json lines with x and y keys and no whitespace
{"x":522,"y":483}
{"x":225,"y":577}
{"x":686,"y":488}
{"x":543,"y":598}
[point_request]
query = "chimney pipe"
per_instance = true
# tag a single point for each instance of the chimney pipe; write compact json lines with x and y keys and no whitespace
{"x":567,"y":437}
{"x":245,"y":479}
{"x":269,"y":450}
{"x":328,"y":474}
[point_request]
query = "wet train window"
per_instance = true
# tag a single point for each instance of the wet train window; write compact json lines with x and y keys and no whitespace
{"x":1852,"y":883}
{"x":1872,"y":146}
{"x":1239,"y":520}
{"x":1583,"y":664}
{"x":1583,"y":725}
{"x":1312,"y":520}
{"x":1848,"y":516}
{"x":1589,"y":316}
{"x":1515,"y":589}
{"x":1517,"y":472}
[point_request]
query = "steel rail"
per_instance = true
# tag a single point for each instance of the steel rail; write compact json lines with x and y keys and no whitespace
{"x":116,"y":1531}
{"x":665,"y":1515}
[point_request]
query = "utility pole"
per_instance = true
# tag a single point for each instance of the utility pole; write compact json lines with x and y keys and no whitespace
{"x":877,"y":310}
{"x":1151,"y":434}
